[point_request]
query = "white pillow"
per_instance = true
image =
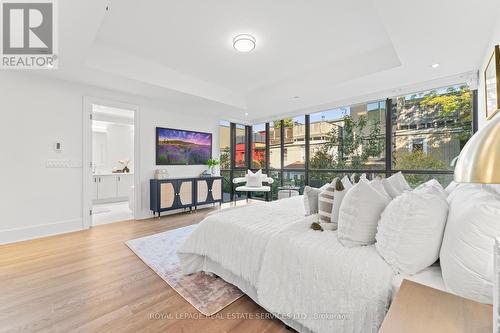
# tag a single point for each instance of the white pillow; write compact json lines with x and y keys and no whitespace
{"x":467,"y":251}
{"x":433,"y":183}
{"x":311,"y":200}
{"x":338,"y":197}
{"x":379,"y":186}
{"x":494,"y":187}
{"x":254,"y":179}
{"x":451,"y":187}
{"x":396,"y":184}
{"x":359,"y":214}
{"x":410,"y":230}
{"x":325,"y":203}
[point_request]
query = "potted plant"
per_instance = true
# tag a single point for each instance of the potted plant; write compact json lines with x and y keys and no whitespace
{"x":211,"y":163}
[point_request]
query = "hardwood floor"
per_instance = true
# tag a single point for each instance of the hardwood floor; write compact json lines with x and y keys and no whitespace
{"x":89,"y":281}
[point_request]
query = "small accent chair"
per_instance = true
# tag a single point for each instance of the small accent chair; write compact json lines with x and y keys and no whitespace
{"x":251,"y":186}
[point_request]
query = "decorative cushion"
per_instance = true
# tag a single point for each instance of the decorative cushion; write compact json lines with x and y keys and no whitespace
{"x":379,"y":186}
{"x":411,"y":228}
{"x":451,"y":187}
{"x":339,"y":195}
{"x":467,"y":251}
{"x":325,"y":203}
{"x":245,"y":188}
{"x":396,"y":184}
{"x":311,"y":200}
{"x":359,"y":214}
{"x":494,"y":187}
{"x":254,"y":179}
{"x":433,"y":183}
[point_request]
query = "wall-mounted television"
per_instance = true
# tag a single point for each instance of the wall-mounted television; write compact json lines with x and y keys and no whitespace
{"x":181,"y":147}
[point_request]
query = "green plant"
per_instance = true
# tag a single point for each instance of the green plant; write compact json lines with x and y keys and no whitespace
{"x":352,"y":146}
{"x":287,"y":121}
{"x":211,"y":162}
{"x":225,"y":158}
{"x":418,"y":160}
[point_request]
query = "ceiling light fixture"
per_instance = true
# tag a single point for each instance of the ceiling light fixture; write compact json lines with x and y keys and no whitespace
{"x":246,"y":114}
{"x":435,"y":65}
{"x":244,"y":43}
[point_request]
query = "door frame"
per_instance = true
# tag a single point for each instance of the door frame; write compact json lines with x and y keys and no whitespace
{"x":87,"y":175}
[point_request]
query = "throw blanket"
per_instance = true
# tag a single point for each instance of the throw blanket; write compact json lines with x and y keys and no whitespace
{"x":325,"y":286}
{"x":237,"y":238}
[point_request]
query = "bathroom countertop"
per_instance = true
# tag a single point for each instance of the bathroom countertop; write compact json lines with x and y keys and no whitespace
{"x":112,"y":173}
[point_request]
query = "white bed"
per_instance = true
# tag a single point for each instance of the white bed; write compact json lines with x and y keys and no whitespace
{"x":306,"y":277}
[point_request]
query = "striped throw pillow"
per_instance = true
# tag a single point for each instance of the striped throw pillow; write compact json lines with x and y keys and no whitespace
{"x":325,"y":203}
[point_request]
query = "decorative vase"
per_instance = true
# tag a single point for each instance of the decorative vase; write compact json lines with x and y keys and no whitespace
{"x":126,"y":169}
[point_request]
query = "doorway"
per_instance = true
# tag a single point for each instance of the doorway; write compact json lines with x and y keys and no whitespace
{"x":110,"y":143}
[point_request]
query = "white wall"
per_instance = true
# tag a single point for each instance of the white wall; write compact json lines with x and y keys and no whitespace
{"x":117,"y":143}
{"x":37,"y":112}
{"x":494,"y":40}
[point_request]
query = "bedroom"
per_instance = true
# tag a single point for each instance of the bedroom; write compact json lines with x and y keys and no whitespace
{"x":349,"y":98}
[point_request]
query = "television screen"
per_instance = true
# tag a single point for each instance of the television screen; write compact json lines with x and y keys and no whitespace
{"x":180,"y":147}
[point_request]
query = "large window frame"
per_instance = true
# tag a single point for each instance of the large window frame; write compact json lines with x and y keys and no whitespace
{"x":387,"y":171}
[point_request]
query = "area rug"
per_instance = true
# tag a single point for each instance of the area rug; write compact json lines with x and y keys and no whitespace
{"x":208,"y":294}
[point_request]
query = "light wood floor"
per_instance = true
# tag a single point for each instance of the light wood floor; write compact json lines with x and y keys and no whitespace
{"x":89,"y":281}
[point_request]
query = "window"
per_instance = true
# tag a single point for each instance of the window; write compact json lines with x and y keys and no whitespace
{"x":225,"y":145}
{"x":294,"y":178}
{"x":227,"y":185}
{"x":294,"y":143}
{"x":427,"y":130}
{"x":430,"y":128}
{"x":259,"y":146}
{"x":275,"y":145}
{"x":350,"y":137}
{"x":276,"y":175}
{"x":418,"y":145}
{"x":240,"y":149}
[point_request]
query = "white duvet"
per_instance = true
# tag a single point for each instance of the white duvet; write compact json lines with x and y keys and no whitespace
{"x":299,"y":273}
{"x":323,"y":285}
{"x":236,"y":238}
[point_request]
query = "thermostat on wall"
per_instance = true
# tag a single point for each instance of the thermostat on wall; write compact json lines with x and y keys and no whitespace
{"x":58,"y":147}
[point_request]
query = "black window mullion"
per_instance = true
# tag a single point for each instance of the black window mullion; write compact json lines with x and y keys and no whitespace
{"x":248,"y":151}
{"x":388,"y":137}
{"x":248,"y":147}
{"x":267,"y":149}
{"x":475,"y":124}
{"x":282,"y":145}
{"x":306,"y":140}
{"x":232,"y":148}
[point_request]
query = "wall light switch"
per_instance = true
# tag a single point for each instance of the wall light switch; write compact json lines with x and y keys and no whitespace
{"x":58,"y":147}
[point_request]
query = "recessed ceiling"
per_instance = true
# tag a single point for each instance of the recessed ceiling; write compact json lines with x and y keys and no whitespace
{"x":195,"y":37}
{"x":325,"y":52}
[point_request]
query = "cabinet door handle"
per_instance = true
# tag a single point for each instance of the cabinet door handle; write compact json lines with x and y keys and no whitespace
{"x":119,"y":178}
{"x":99,"y":179}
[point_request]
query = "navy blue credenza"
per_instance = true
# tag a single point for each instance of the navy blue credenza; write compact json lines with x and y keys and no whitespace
{"x":178,"y":193}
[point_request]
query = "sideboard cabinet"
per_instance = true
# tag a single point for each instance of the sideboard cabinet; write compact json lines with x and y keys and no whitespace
{"x":171,"y":194}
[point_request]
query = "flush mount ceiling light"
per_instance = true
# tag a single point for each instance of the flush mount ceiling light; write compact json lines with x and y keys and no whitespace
{"x":244,"y":43}
{"x":435,"y":65}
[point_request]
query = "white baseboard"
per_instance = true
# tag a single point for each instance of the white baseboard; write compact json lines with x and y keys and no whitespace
{"x":38,"y":231}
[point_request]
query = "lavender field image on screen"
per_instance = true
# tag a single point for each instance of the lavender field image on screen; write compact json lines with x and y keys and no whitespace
{"x":182,"y":147}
